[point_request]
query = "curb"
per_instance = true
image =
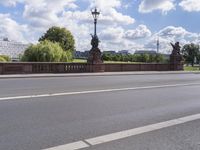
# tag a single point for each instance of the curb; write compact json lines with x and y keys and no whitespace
{"x":94,"y":74}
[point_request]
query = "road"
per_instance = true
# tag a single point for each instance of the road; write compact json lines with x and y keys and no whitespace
{"x":130,"y":112}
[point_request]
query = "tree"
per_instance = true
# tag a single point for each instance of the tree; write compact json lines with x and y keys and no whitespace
{"x":126,"y":58}
{"x":141,"y":57}
{"x":61,"y":36}
{"x":191,"y":53}
{"x":46,"y":51}
{"x":106,"y":57}
{"x":152,"y":58}
{"x":159,"y":58}
{"x":117,"y":57}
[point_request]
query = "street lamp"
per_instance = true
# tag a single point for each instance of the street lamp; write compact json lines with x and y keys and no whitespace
{"x":95,"y":53}
{"x":95,"y":14}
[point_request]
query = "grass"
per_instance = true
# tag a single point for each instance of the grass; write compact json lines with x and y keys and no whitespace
{"x":186,"y":68}
{"x":108,"y":62}
{"x":79,"y":61}
{"x":190,"y":68}
{"x":120,"y":62}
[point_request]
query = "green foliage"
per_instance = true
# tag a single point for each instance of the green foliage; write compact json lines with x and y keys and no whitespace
{"x":191,"y":53}
{"x":46,"y":51}
{"x":159,"y":58}
{"x":56,"y":45}
{"x":61,"y":36}
{"x":79,"y":60}
{"x":146,"y":58}
{"x":142,"y":58}
{"x":67,"y":56}
{"x":190,"y":68}
{"x":4,"y":58}
{"x":106,"y":56}
{"x":117,"y":57}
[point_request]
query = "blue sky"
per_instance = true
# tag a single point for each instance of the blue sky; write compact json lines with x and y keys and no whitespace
{"x":123,"y":24}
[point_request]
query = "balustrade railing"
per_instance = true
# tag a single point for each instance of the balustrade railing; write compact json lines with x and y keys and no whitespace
{"x":30,"y":68}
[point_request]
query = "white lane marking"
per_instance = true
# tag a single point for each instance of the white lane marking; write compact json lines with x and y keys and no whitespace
{"x":125,"y":134}
{"x":70,"y":146}
{"x":140,"y":130}
{"x":95,"y":91}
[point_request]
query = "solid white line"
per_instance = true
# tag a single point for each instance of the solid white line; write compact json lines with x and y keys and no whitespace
{"x":125,"y":134}
{"x":140,"y":130}
{"x":96,"y":91}
{"x":70,"y":146}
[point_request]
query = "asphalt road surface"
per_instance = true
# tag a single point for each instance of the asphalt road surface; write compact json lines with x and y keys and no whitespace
{"x":129,"y":112}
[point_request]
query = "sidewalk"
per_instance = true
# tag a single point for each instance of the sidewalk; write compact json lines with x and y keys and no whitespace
{"x":96,"y":74}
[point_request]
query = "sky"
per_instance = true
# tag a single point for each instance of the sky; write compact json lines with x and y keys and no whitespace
{"x":122,"y":25}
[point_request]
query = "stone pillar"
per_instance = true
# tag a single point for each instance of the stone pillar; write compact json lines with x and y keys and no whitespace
{"x":176,"y":59}
{"x":176,"y":62}
{"x":94,"y":58}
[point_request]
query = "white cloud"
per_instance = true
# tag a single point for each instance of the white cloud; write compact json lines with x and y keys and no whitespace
{"x":118,"y":34}
{"x":10,"y":3}
{"x":190,"y":5}
{"x":172,"y":34}
{"x":11,"y":29}
{"x":112,"y":24}
{"x":109,"y":12}
{"x":120,"y":18}
{"x":147,"y":6}
{"x":115,"y":18}
{"x":42,"y":14}
{"x":117,"y":38}
{"x":177,"y":33}
{"x":45,"y":13}
{"x":140,"y":32}
{"x":105,"y":4}
{"x":112,"y":34}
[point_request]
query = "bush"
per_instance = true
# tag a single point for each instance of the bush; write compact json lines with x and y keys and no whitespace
{"x":67,"y":56}
{"x":5,"y":58}
{"x":2,"y":59}
{"x":46,"y":51}
{"x":145,"y":58}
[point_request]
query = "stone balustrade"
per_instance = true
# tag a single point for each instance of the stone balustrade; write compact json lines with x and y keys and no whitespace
{"x":33,"y":68}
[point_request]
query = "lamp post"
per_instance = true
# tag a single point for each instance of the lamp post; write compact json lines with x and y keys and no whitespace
{"x":95,"y":53}
{"x":95,"y":14}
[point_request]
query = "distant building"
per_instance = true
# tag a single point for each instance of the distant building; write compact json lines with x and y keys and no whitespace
{"x":166,"y":56}
{"x":85,"y":54}
{"x":124,"y":52}
{"x":110,"y":52}
{"x":81,"y":55}
{"x":12,"y":49}
{"x":145,"y":52}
